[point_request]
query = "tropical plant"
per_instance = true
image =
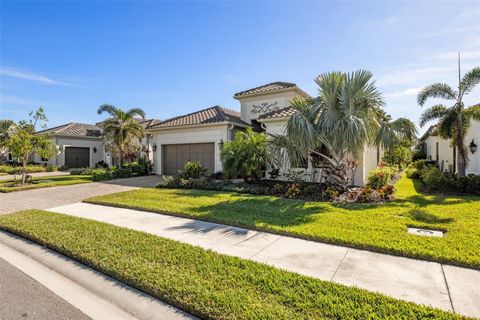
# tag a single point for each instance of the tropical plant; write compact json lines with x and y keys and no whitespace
{"x":399,"y":155}
{"x":336,"y":126}
{"x":247,"y":156}
{"x":5,"y":126}
{"x":121,"y":130}
{"x":22,"y":141}
{"x":193,"y":170}
{"x":453,"y":121}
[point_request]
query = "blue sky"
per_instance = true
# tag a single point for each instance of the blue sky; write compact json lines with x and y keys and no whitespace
{"x":178,"y":57}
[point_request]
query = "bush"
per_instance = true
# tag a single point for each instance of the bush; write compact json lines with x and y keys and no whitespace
{"x":17,"y":169}
{"x":50,"y":168}
{"x":380,"y":177}
{"x":400,"y":155}
{"x":122,"y":173}
{"x":193,"y":170}
{"x":217,"y":175}
{"x":101,"y":174}
{"x":135,"y":168}
{"x":246,"y":156}
{"x":433,"y":178}
{"x":419,"y":164}
{"x":413,"y":173}
{"x":63,"y":168}
{"x":77,"y":172}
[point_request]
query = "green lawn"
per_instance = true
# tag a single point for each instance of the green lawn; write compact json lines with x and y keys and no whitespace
{"x":205,"y":283}
{"x":45,"y":182}
{"x":376,"y":227}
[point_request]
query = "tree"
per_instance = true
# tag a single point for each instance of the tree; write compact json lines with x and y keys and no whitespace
{"x":338,"y":124}
{"x":121,"y":130}
{"x":22,"y":141}
{"x":246,"y":156}
{"x":5,"y":126}
{"x":453,"y":121}
{"x":399,"y":155}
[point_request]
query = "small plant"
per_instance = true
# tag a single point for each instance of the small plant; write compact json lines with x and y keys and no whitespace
{"x":193,"y":170}
{"x":279,"y":188}
{"x":293,"y":190}
{"x":380,"y":177}
{"x":50,"y":168}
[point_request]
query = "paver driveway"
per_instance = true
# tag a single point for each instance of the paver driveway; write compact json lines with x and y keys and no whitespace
{"x":57,"y":196}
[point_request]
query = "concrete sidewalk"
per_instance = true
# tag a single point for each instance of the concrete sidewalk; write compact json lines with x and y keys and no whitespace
{"x":442,"y":286}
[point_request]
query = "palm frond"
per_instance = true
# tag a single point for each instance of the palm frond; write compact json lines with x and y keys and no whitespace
{"x":473,"y":112}
{"x":135,"y":112}
{"x":470,"y":80}
{"x":433,"y":113}
{"x":436,"y":90}
{"x":108,"y":108}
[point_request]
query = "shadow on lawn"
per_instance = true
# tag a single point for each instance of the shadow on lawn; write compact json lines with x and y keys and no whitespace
{"x":254,"y":210}
{"x":425,"y":217}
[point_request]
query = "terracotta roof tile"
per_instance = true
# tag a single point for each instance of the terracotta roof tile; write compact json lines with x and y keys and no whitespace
{"x":282,"y":113}
{"x":214,"y":114}
{"x":74,"y":129}
{"x":274,"y":86}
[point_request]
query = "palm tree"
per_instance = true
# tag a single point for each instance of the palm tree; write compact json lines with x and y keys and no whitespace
{"x":336,"y":126}
{"x":453,"y":121}
{"x":5,"y":126}
{"x":121,"y":127}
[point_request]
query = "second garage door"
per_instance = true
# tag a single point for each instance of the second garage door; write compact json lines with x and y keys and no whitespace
{"x":76,"y":157}
{"x":176,"y":155}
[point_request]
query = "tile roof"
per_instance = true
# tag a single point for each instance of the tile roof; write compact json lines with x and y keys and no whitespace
{"x":214,"y":114}
{"x":74,"y":129}
{"x":282,"y":113}
{"x":274,"y":86}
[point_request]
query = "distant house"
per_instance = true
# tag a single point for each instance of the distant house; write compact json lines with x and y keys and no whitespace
{"x":444,"y":154}
{"x":199,"y":136}
{"x":80,"y":145}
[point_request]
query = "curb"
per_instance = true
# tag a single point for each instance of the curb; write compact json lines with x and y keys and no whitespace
{"x":76,"y":283}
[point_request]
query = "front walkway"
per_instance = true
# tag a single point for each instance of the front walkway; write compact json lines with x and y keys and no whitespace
{"x":442,"y":286}
{"x":59,"y":196}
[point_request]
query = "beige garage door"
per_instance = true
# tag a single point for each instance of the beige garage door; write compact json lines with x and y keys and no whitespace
{"x":176,"y":155}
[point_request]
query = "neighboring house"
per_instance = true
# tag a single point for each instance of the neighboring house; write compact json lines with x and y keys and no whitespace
{"x":80,"y":145}
{"x":198,"y":136}
{"x":442,"y":151}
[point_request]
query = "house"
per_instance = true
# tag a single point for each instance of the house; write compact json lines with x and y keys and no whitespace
{"x":444,"y":154}
{"x":79,"y":144}
{"x":199,"y":136}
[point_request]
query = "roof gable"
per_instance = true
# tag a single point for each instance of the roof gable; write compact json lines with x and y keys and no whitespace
{"x":74,"y":129}
{"x":269,"y":87}
{"x":216,"y":114}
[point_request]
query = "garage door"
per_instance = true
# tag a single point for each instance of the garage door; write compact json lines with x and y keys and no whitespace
{"x":76,"y":157}
{"x":176,"y":155}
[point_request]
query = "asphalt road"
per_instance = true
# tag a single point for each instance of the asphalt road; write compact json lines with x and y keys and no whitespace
{"x":22,"y":298}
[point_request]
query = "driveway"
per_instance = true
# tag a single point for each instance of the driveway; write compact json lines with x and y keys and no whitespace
{"x":57,"y":196}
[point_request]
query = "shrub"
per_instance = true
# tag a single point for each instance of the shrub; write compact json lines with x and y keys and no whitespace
{"x":293,"y":191}
{"x":50,"y":168}
{"x":433,"y":178}
{"x":246,"y":156}
{"x":380,"y":177}
{"x":193,"y":170}
{"x":101,"y":174}
{"x":217,"y":175}
{"x":122,"y":173}
{"x":77,"y":172}
{"x":399,"y":155}
{"x":419,"y":164}
{"x":146,"y":163}
{"x":413,"y":173}
{"x":17,"y":169}
{"x":63,"y":168}
{"x":135,"y":168}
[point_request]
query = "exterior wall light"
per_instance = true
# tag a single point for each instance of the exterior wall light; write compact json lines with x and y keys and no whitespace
{"x":473,"y":146}
{"x":94,"y":149}
{"x":220,"y":144}
{"x":154,"y":147}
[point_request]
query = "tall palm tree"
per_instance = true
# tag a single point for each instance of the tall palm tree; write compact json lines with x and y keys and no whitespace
{"x":121,"y":127}
{"x":453,"y":121}
{"x":338,"y":124}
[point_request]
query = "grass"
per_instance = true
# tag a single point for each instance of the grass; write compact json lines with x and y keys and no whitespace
{"x":44,"y":182}
{"x":376,"y":227}
{"x":202,"y":282}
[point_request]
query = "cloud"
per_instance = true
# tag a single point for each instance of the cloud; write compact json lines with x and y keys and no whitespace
{"x":31,"y":77}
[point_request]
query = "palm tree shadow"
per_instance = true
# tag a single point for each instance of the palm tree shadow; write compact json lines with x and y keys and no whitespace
{"x":425,"y":217}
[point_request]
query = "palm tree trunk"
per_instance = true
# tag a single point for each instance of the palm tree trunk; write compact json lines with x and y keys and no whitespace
{"x":338,"y":175}
{"x":461,"y":156}
{"x":121,"y":158}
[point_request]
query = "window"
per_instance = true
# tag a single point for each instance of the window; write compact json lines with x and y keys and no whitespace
{"x":437,"y":149}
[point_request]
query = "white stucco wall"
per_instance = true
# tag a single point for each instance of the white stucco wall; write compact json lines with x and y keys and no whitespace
{"x":445,"y":153}
{"x":63,"y":142}
{"x":272,"y":101}
{"x":201,"y":134}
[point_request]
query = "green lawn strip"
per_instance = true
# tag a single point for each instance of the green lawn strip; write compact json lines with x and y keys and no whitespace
{"x":202,"y":282}
{"x":376,"y":227}
{"x":45,"y":182}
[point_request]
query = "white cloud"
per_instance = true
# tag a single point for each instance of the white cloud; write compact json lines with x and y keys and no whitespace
{"x":25,"y":75}
{"x":231,"y":79}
